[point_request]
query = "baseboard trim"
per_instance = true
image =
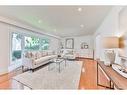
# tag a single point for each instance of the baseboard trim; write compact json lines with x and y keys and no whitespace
{"x":3,"y":74}
{"x":85,"y":58}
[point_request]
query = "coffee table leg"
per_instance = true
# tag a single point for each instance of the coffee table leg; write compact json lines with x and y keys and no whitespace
{"x":49,"y":67}
{"x":22,"y":68}
{"x":59,"y":67}
{"x":65,"y":62}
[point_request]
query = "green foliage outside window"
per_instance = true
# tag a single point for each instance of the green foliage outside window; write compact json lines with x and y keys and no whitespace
{"x":16,"y":46}
{"x":16,"y":54}
{"x":44,"y":44}
{"x":31,"y":43}
{"x":34,"y":43}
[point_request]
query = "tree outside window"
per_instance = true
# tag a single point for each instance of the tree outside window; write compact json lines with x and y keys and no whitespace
{"x":35,"y":43}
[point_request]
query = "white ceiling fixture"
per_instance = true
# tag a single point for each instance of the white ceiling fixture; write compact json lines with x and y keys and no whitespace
{"x":79,"y":9}
{"x":54,"y":30}
{"x":82,"y":26}
{"x":39,"y":21}
{"x":63,"y":19}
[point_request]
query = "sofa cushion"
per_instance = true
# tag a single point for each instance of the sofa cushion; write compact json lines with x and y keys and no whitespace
{"x":45,"y":58}
{"x":28,"y":55}
{"x":70,"y":52}
{"x":33,"y":54}
{"x":45,"y":53}
{"x":41,"y":53}
{"x":50,"y":52}
{"x":38,"y":55}
{"x":42,"y":59}
{"x":52,"y":56}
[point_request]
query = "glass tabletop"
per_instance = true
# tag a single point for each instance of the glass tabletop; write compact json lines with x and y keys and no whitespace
{"x":58,"y":60}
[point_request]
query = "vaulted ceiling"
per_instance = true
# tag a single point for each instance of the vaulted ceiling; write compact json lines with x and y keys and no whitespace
{"x":59,"y":20}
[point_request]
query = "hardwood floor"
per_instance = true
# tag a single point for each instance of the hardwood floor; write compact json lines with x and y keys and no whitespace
{"x":88,"y":75}
{"x":87,"y":80}
{"x":6,"y":81}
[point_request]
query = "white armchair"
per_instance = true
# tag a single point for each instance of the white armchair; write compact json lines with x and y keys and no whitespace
{"x":69,"y":54}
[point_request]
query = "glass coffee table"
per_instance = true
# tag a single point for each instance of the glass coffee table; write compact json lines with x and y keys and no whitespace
{"x":58,"y":61}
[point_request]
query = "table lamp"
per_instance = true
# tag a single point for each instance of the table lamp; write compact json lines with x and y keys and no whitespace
{"x":110,"y":43}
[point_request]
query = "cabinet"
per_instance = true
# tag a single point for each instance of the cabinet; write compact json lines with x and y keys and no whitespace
{"x":85,"y":53}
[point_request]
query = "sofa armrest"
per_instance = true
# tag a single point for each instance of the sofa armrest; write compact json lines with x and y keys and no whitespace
{"x":28,"y":62}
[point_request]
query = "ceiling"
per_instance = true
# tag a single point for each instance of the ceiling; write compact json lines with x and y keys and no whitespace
{"x":61,"y":21}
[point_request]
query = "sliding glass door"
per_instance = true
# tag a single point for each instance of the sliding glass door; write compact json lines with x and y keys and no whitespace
{"x":16,"y":48}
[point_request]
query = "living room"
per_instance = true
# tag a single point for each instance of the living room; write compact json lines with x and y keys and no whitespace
{"x":59,"y":47}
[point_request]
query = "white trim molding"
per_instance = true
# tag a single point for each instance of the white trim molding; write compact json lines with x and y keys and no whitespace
{"x":24,"y":26}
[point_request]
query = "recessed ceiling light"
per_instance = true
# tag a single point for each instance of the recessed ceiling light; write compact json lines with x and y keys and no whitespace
{"x":54,"y":30}
{"x":81,"y":25}
{"x":79,"y":9}
{"x":39,"y":21}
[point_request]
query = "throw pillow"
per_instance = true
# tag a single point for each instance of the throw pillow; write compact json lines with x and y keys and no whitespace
{"x":45,"y":53}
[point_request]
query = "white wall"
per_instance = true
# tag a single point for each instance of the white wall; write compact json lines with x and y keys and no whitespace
{"x":5,"y":37}
{"x":4,"y":48}
{"x":79,"y":39}
{"x":54,"y":44}
{"x":87,"y":53}
{"x":109,"y":27}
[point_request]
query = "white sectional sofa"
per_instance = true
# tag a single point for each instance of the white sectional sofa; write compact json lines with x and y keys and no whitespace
{"x":34,"y":59}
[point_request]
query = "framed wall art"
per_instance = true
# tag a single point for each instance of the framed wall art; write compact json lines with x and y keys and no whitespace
{"x":84,"y":45}
{"x":69,"y":43}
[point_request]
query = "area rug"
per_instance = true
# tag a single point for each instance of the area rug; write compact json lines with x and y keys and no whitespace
{"x":44,"y":78}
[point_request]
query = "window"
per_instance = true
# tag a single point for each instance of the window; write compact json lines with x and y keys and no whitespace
{"x":16,"y":46}
{"x":27,"y":43}
{"x":32,"y":43}
{"x":44,"y":44}
{"x":35,"y":43}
